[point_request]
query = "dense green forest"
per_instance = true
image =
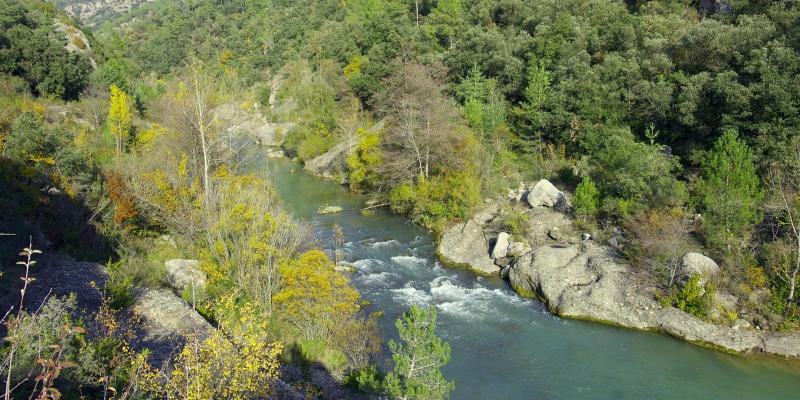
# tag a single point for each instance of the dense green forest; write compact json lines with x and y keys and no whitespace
{"x":675,"y":123}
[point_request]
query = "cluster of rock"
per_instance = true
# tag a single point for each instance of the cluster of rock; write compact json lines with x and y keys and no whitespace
{"x":577,"y":277}
{"x":242,"y":122}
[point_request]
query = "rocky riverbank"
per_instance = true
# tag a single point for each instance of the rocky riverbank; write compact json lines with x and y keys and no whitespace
{"x":578,"y":277}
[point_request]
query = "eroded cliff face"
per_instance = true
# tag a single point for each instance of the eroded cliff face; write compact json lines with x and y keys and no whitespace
{"x":94,"y":12}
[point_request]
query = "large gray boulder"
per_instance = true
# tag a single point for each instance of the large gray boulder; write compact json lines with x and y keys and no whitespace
{"x":466,"y":245}
{"x":500,"y":249}
{"x":544,"y":194}
{"x":698,"y":264}
{"x":581,"y":284}
{"x":183,"y":274}
{"x":166,"y":316}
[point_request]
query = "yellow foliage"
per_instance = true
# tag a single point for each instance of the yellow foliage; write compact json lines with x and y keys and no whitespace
{"x":354,"y":66}
{"x":119,"y":115}
{"x":314,"y":292}
{"x":235,"y":362}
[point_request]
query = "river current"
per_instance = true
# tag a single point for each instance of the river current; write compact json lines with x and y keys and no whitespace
{"x":506,"y":347}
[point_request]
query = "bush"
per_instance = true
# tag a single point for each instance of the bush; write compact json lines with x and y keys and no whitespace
{"x":587,"y":199}
{"x":435,"y":201}
{"x":632,"y":175}
{"x":694,"y":298}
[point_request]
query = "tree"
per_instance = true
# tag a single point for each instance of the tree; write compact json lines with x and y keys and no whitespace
{"x":424,"y":136}
{"x":783,"y":183}
{"x":119,"y":116}
{"x":418,"y":358}
{"x":195,"y":100}
{"x":729,"y":192}
{"x":587,"y":198}
{"x":314,"y":296}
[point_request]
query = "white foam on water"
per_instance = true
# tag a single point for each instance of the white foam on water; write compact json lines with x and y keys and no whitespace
{"x":411,"y":295}
{"x":387,"y":243}
{"x":470,"y":303}
{"x":409,"y":261}
{"x":367,"y":264}
{"x":385,"y":279}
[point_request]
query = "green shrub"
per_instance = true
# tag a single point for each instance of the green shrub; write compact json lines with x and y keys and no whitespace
{"x":587,"y":199}
{"x":694,"y":298}
{"x":435,"y":201}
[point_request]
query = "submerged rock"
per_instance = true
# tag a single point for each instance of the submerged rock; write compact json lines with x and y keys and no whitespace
{"x":329,"y":209}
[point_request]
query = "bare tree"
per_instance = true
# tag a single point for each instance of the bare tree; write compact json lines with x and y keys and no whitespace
{"x":783,"y":182}
{"x":426,"y":129}
{"x":660,"y":239}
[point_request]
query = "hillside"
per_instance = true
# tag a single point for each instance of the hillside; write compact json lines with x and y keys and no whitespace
{"x":628,"y":162}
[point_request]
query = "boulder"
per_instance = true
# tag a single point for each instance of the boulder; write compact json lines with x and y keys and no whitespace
{"x":554,"y":233}
{"x":698,"y":264}
{"x":518,"y":249}
{"x":503,"y":262}
{"x":500,"y":248}
{"x":466,"y":245}
{"x":544,"y":194}
{"x":183,"y":274}
{"x":586,"y":236}
{"x":486,"y":215}
{"x":518,"y":194}
{"x":329,"y":209}
{"x":782,"y":344}
{"x":166,"y":317}
{"x":740,"y":324}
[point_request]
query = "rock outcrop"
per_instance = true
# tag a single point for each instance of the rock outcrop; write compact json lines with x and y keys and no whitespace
{"x":333,"y":163}
{"x":466,"y":245}
{"x":166,"y":317}
{"x":183,"y":274}
{"x":584,"y":279}
{"x":238,"y":121}
{"x":76,"y":40}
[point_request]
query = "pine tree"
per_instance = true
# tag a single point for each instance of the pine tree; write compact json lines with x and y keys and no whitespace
{"x":119,"y":116}
{"x":587,"y":198}
{"x":419,"y":358}
{"x":730,"y":192}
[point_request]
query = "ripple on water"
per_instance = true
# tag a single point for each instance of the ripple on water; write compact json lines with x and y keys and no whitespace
{"x":409,"y":261}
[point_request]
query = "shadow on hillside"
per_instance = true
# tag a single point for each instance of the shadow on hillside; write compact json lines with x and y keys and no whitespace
{"x":312,"y":380}
{"x":35,"y":209}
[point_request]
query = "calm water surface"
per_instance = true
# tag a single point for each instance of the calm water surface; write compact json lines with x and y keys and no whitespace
{"x":505,"y":347}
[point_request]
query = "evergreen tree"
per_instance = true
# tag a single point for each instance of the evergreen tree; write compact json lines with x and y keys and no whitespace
{"x":587,"y":198}
{"x":729,"y":192}
{"x":418,"y":359}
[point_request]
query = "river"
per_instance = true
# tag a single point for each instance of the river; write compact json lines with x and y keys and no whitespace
{"x":506,"y":347}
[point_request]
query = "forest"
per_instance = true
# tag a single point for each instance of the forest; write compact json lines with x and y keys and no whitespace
{"x":675,"y":122}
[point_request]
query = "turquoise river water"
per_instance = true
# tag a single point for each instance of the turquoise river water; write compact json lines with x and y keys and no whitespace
{"x":506,"y":347}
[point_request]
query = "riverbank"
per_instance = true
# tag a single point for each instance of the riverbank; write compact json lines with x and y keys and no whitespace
{"x":579,"y":278}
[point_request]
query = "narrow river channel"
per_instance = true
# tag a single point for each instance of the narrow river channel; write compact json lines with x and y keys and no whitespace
{"x":505,"y":347}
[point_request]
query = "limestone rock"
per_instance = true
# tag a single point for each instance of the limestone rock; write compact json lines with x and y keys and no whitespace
{"x":329,"y":209}
{"x":518,"y":249}
{"x":166,"y":316}
{"x":500,"y":249}
{"x":183,"y":274}
{"x":467,"y":245}
{"x":545,"y":194}
{"x":554,"y":233}
{"x":698,"y":264}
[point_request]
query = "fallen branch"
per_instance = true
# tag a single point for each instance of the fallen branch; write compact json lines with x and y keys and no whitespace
{"x":374,"y":206}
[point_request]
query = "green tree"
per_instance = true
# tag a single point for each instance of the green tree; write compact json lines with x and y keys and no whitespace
{"x":419,"y":358}
{"x":730,"y":193}
{"x":587,"y":198}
